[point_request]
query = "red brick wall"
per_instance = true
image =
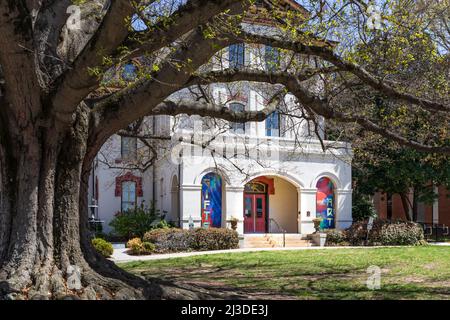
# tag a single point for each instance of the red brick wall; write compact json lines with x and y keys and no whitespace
{"x":444,"y":206}
{"x":380,"y":203}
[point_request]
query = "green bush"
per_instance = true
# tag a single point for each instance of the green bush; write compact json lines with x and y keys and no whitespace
{"x":214,"y":239}
{"x":137,"y":247}
{"x":177,"y":240}
{"x":135,"y":222}
{"x":103,"y":247}
{"x":336,"y":237}
{"x":386,"y":233}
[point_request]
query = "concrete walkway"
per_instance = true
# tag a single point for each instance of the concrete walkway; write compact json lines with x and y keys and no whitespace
{"x":120,"y":255}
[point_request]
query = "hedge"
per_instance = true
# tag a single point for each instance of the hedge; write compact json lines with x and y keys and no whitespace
{"x":177,"y":240}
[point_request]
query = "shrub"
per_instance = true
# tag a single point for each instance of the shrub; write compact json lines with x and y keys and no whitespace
{"x":176,"y":240}
{"x":135,"y":222}
{"x":400,"y":233}
{"x":386,"y":233}
{"x":336,"y":237}
{"x":169,"y":240}
{"x":138,"y":247}
{"x":103,"y":247}
{"x":214,"y":239}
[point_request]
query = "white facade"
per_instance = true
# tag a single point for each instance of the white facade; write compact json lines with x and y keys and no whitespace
{"x":293,"y":163}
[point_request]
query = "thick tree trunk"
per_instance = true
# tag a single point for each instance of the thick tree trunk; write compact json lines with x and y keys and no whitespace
{"x":44,"y":233}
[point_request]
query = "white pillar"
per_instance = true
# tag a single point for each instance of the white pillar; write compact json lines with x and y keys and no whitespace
{"x":235,"y":206}
{"x":307,"y":210}
{"x":191,"y":198}
{"x":436,"y":206}
{"x":344,"y":208}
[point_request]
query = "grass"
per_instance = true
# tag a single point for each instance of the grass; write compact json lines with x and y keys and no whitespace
{"x":406,"y":273}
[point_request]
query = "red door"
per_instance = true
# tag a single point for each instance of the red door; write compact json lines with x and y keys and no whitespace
{"x":254,"y":213}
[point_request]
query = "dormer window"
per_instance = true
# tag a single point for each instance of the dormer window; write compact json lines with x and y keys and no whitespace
{"x":237,"y":56}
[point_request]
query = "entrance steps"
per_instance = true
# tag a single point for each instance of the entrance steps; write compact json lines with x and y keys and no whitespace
{"x":275,"y":240}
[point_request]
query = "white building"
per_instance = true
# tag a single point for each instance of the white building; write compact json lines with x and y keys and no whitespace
{"x":270,"y":176}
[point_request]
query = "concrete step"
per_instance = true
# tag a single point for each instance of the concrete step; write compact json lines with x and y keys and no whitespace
{"x":275,"y":241}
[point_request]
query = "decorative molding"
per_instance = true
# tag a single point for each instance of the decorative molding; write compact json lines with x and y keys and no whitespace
{"x":344,"y":191}
{"x":191,"y":187}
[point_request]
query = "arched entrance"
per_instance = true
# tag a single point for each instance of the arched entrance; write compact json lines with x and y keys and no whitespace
{"x":325,"y":203}
{"x":211,"y":200}
{"x":270,"y":205}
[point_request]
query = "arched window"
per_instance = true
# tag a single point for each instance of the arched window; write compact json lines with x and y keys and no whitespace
{"x":325,"y":203}
{"x":237,"y":127}
{"x":211,"y":201}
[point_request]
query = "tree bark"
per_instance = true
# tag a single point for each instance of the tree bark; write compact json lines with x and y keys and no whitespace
{"x":44,"y":222}
{"x":405,"y":204}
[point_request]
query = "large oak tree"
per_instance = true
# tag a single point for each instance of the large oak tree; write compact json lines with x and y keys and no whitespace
{"x":56,"y":112}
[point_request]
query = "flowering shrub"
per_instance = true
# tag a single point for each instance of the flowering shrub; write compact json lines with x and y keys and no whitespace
{"x":103,"y":247}
{"x":138,"y":247}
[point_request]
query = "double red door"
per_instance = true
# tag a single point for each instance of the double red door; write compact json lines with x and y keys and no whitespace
{"x":254,"y":213}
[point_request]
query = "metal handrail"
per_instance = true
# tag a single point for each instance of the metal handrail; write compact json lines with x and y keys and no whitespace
{"x":279,"y":228}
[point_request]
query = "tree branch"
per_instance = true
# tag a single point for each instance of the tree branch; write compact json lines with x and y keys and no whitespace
{"x":324,"y":51}
{"x":77,"y":83}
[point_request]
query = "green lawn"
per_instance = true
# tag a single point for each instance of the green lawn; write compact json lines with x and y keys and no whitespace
{"x":407,"y":273}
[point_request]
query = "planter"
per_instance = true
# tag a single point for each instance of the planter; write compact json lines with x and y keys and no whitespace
{"x":317,"y":224}
{"x":319,"y":239}
{"x":233,"y":223}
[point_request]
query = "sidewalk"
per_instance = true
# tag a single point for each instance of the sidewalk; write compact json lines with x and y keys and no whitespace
{"x":121,"y":256}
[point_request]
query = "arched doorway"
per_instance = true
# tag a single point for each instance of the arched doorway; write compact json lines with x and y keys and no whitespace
{"x":270,"y":205}
{"x":325,"y":203}
{"x":211,"y":201}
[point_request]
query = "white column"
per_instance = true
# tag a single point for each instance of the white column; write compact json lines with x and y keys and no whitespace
{"x":344,"y":208}
{"x":235,"y":206}
{"x":191,"y":205}
{"x":436,"y":206}
{"x":307,"y":210}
